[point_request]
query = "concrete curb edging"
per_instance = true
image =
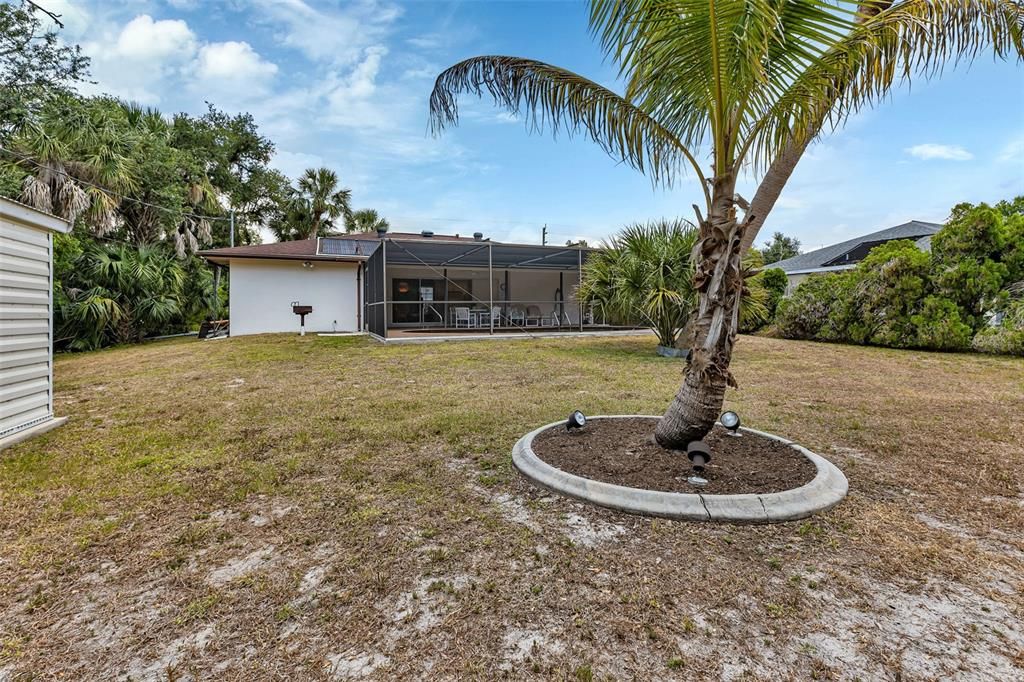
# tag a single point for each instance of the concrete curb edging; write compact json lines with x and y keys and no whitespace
{"x":825,"y":491}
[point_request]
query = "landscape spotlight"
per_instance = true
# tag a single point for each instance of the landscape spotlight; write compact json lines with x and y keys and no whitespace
{"x":731,"y":421}
{"x":699,"y":454}
{"x":576,"y":421}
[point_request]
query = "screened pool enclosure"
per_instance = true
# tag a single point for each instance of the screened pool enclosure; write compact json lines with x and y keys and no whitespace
{"x":430,"y":285}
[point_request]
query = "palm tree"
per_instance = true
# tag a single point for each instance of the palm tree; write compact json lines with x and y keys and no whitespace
{"x":111,"y":163}
{"x":69,"y":151}
{"x":753,"y":83}
{"x":119,"y":294}
{"x":645,"y":272}
{"x":367,"y":220}
{"x":317,"y":202}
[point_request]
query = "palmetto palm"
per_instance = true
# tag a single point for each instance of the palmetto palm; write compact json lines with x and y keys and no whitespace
{"x":119,"y":294}
{"x":749,"y":83}
{"x":69,"y":150}
{"x":320,"y":201}
{"x":367,"y":220}
{"x":645,"y":271}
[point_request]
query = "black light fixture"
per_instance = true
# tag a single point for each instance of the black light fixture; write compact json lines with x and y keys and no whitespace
{"x":576,"y":421}
{"x":731,"y":421}
{"x":699,"y":454}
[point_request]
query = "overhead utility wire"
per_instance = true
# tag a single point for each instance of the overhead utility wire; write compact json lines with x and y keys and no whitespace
{"x":109,"y":192}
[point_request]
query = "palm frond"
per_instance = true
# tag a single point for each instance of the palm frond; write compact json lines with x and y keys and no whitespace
{"x":910,"y":39}
{"x":549,"y":96}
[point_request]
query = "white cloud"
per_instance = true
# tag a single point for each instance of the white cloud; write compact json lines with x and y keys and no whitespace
{"x":233,"y":60}
{"x":789,"y":203}
{"x":293,"y":164}
{"x":330,"y":35}
{"x":430,"y":41}
{"x":931,"y":151}
{"x":1013,"y":151}
{"x":75,"y":18}
{"x":133,"y":61}
{"x":352,"y":100}
{"x":143,"y":38}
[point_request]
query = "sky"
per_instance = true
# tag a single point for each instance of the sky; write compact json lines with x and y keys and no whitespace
{"x":346,"y":85}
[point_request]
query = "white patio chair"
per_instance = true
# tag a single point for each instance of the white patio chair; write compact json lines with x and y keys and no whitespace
{"x":517,"y":317}
{"x":462,"y":316}
{"x":533,"y":316}
{"x":496,"y":315}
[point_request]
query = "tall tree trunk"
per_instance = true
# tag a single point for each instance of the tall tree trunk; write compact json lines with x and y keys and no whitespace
{"x":768,"y":191}
{"x":719,"y":282}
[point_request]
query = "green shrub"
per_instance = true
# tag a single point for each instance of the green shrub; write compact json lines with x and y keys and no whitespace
{"x":1000,"y":341}
{"x":939,"y":326}
{"x":117,"y":293}
{"x":967,"y":254}
{"x":818,"y":309}
{"x":902,"y":297}
{"x":890,"y":284}
{"x":775,"y":282}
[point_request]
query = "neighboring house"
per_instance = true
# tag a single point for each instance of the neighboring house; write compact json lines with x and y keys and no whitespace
{"x":401,"y":284}
{"x":26,"y":321}
{"x":846,"y":255}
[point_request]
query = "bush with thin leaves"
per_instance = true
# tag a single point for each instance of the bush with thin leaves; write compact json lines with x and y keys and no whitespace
{"x":818,"y":309}
{"x":1006,"y":333}
{"x":644,"y":276}
{"x":939,"y":326}
{"x":115,"y":294}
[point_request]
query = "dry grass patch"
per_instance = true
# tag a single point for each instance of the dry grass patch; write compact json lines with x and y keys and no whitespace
{"x":330,"y":507}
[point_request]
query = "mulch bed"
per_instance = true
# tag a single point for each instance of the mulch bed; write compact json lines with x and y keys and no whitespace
{"x":623,"y":452}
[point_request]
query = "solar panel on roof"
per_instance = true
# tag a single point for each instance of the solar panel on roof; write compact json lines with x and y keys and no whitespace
{"x":347,"y":247}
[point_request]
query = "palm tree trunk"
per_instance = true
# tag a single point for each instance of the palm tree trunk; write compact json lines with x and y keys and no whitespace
{"x":719,"y":283}
{"x":768,"y":191}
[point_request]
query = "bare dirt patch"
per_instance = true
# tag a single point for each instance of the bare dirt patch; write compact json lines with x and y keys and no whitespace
{"x":623,"y":452}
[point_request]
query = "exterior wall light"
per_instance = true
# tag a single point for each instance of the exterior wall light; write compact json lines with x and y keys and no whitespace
{"x":576,"y":421}
{"x":699,"y":454}
{"x":307,"y":264}
{"x":731,"y":421}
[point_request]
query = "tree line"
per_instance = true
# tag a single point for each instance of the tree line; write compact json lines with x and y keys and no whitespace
{"x":144,"y":191}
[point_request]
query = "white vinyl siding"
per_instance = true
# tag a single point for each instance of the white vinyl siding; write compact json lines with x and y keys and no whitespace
{"x":26,"y":372}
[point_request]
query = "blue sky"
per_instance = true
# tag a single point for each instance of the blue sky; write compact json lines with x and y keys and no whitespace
{"x":346,"y":85}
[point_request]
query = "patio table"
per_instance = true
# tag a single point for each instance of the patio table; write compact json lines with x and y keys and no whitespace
{"x":480,"y":317}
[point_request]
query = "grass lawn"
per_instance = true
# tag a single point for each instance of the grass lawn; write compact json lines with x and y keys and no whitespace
{"x":284,"y":507}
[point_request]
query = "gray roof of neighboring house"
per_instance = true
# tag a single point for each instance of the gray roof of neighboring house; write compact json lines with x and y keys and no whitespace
{"x":831,"y":257}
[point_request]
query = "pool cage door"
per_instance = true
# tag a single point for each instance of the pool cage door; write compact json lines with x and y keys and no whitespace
{"x":375,"y":296}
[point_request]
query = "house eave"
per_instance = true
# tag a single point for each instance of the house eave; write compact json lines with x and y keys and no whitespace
{"x":222,"y":259}
{"x":811,"y":271}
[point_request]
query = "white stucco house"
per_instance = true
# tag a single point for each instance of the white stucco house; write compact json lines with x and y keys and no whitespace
{"x":26,"y":321}
{"x":403,"y":285}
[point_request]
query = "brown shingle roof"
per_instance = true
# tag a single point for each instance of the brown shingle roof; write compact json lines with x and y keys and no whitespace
{"x":300,"y":249}
{"x":306,"y":249}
